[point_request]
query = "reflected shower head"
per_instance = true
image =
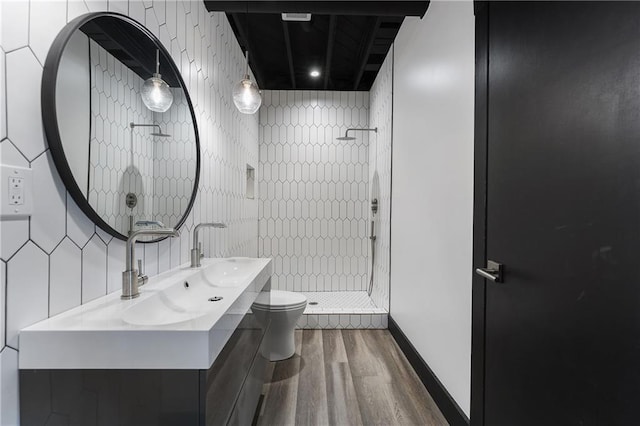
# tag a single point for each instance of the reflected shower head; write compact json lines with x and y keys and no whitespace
{"x":346,"y":136}
{"x":159,"y":133}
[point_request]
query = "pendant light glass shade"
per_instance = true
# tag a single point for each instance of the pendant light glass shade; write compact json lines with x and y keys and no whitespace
{"x":155,"y":93}
{"x":246,"y":95}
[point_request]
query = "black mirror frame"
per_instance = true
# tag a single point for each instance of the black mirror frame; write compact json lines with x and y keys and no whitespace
{"x":50,"y":117}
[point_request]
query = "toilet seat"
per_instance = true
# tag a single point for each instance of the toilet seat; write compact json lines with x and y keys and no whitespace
{"x":279,"y":300}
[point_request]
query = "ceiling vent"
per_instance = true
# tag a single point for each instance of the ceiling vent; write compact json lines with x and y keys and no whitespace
{"x":296,"y":16}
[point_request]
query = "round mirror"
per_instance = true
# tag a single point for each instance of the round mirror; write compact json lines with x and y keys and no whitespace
{"x":127,"y":162}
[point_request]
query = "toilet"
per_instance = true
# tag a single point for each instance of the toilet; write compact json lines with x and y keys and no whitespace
{"x":282,"y":309}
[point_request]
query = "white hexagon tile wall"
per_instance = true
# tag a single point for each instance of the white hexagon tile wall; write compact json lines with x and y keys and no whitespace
{"x":381,"y":116}
{"x":314,"y":189}
{"x":315,"y":196}
{"x":59,"y":259}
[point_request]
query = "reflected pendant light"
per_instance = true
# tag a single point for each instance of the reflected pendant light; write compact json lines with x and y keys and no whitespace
{"x":155,"y":92}
{"x":246,"y":95}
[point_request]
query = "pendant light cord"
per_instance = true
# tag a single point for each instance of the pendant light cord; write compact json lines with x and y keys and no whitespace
{"x":246,"y":23}
{"x":246,"y":95}
{"x":158,"y":61}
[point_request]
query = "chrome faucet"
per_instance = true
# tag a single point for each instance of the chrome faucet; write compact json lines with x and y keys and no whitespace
{"x":196,"y":251}
{"x":132,"y":277}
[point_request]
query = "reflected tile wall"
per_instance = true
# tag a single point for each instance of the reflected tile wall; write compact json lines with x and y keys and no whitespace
{"x":121,"y":158}
{"x":173,"y":159}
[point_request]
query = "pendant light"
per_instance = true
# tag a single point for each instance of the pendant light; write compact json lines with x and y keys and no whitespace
{"x":246,"y":95}
{"x":155,"y":92}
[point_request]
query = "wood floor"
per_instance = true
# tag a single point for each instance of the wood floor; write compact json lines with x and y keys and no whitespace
{"x":346,"y":377}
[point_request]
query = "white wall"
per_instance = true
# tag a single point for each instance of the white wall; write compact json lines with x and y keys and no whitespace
{"x":59,"y":259}
{"x":431,"y":225}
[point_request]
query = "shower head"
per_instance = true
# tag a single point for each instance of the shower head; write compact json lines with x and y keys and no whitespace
{"x":159,"y":133}
{"x":346,"y":136}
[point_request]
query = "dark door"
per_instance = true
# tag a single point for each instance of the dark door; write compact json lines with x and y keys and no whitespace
{"x":562,"y":333}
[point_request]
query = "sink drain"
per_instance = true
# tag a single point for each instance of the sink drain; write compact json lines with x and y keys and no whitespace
{"x":313,"y":303}
{"x":215,"y":299}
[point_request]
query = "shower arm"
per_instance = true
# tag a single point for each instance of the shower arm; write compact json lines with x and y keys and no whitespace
{"x":132,"y":125}
{"x":375,"y":130}
{"x":346,"y":134}
{"x":158,"y":133}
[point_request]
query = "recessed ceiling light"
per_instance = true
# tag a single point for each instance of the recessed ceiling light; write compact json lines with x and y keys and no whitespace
{"x":314,"y":73}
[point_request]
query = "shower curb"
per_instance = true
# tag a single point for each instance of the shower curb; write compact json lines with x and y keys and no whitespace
{"x":342,"y":321}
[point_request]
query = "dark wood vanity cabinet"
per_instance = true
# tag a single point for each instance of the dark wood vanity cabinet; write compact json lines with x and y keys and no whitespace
{"x":232,"y":386}
{"x":225,"y":394}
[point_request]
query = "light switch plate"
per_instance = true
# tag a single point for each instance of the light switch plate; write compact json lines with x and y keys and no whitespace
{"x":16,"y":192}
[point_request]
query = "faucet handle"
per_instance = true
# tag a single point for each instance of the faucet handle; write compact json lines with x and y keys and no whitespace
{"x":140,"y":272}
{"x":200,"y":250}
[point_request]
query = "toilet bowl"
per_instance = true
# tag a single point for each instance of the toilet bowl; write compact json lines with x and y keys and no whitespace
{"x":280,"y":309}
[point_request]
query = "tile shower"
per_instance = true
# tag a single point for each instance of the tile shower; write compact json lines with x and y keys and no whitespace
{"x":315,"y":197}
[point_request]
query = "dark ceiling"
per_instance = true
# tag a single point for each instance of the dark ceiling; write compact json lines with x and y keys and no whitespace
{"x":346,"y":41}
{"x":127,"y":44}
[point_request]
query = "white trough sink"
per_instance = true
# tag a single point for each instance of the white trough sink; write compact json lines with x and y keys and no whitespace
{"x":195,"y":296}
{"x":181,"y":320}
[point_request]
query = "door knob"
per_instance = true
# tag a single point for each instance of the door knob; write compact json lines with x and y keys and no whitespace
{"x":494,"y":271}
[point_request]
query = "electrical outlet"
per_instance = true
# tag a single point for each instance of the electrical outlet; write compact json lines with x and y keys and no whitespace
{"x":15,"y":191}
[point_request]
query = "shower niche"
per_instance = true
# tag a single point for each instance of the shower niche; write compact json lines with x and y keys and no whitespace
{"x":251,"y":182}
